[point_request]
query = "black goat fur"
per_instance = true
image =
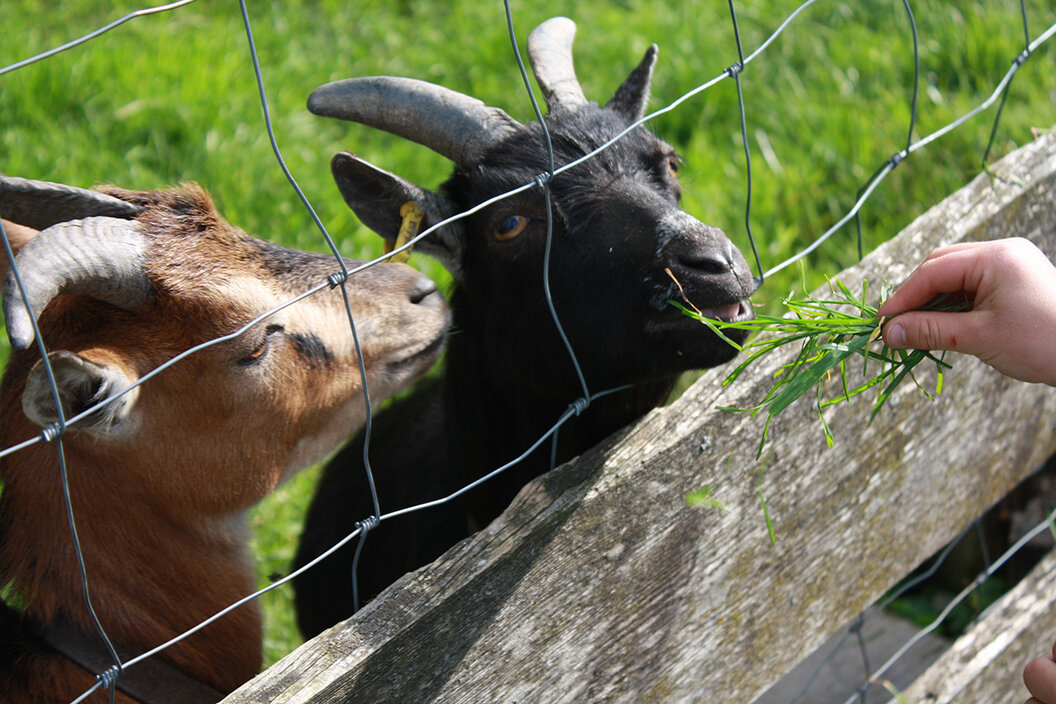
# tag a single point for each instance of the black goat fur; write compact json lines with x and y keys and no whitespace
{"x":507,"y":376}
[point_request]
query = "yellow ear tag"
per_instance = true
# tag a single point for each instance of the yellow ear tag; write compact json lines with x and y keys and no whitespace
{"x":412,"y":220}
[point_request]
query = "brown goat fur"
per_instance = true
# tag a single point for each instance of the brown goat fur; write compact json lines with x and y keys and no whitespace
{"x":160,"y":486}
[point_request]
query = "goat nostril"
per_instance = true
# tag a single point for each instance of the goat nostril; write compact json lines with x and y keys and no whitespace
{"x":422,"y":291}
{"x":708,"y":261}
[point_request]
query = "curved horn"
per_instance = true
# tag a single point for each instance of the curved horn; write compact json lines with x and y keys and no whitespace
{"x":101,"y":257}
{"x":41,"y":204}
{"x":550,"y":53}
{"x":632,"y":96}
{"x":454,"y":125}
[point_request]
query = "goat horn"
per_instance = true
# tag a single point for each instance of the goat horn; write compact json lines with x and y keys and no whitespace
{"x":101,"y":257}
{"x":41,"y":204}
{"x":550,"y":53}
{"x":454,"y":125}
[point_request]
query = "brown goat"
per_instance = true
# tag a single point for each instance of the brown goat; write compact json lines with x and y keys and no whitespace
{"x":160,"y":479}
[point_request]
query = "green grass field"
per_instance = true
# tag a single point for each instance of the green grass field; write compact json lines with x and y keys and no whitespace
{"x":172,"y":97}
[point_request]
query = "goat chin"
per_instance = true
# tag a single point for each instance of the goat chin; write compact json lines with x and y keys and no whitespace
{"x":315,"y":447}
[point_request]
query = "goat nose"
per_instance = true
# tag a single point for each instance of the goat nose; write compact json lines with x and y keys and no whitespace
{"x":712,"y":259}
{"x":423,"y":292}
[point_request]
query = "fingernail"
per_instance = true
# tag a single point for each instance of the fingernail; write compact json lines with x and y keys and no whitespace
{"x":895,"y":336}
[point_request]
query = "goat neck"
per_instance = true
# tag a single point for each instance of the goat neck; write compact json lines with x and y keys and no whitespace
{"x":492,"y":416}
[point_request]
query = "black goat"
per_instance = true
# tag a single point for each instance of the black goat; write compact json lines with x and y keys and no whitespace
{"x":617,"y":228}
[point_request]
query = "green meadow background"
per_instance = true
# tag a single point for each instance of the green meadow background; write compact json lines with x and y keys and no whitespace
{"x":172,"y":97}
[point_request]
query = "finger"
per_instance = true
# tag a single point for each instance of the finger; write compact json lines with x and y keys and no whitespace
{"x":1040,"y":678}
{"x":925,"y":330}
{"x":953,"y":269}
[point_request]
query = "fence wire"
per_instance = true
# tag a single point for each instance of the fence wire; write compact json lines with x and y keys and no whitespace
{"x":341,"y":276}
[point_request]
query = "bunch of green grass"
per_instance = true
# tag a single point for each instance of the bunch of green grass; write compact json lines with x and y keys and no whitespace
{"x":830,"y":331}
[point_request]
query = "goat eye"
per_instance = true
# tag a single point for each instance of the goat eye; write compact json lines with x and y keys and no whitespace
{"x":261,"y":350}
{"x":672,"y":165}
{"x":511,"y":227}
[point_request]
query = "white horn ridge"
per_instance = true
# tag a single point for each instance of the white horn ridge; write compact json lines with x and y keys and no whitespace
{"x":450,"y":123}
{"x":550,"y":53}
{"x":102,"y":257}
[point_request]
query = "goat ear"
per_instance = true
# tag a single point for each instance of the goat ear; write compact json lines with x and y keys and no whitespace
{"x":375,"y":195}
{"x":81,"y":383}
{"x":632,"y":96}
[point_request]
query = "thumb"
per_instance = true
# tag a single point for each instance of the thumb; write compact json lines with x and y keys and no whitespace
{"x":925,"y":330}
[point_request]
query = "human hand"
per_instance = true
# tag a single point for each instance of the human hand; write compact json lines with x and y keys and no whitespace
{"x":1040,"y":678}
{"x":1012,"y":323}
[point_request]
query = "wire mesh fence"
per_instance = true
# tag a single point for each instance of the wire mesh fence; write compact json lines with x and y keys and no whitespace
{"x":934,"y":626}
{"x":1035,"y":35}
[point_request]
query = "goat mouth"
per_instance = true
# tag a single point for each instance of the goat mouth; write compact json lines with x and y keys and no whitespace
{"x":424,"y":355}
{"x":677,"y":323}
{"x":730,"y":313}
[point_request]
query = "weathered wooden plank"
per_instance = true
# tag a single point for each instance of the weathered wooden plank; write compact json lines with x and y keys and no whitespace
{"x":599,"y":583}
{"x":986,"y":663}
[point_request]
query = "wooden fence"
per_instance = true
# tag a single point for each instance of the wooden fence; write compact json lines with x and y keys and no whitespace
{"x":600,"y":583}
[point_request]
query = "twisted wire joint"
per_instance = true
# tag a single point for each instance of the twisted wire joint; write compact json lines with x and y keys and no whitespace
{"x":579,"y":405}
{"x":52,"y":432}
{"x":337,"y":278}
{"x":109,"y":676}
{"x":367,"y":524}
